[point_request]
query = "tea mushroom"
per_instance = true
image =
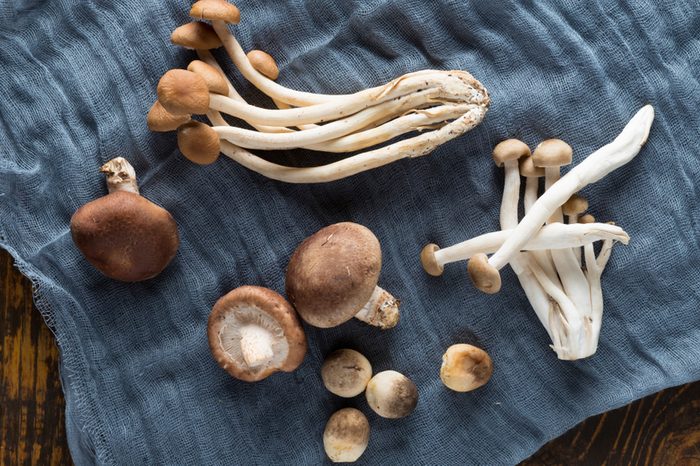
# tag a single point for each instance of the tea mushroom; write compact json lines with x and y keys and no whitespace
{"x":465,"y":367}
{"x":124,"y":235}
{"x":196,"y":35}
{"x":254,"y":332}
{"x":346,"y":435}
{"x":183,"y":92}
{"x":332,"y":277}
{"x":346,"y":372}
{"x":391,"y":394}
{"x":161,"y":120}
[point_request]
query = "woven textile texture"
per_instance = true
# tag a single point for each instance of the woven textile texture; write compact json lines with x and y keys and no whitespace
{"x":141,"y":387}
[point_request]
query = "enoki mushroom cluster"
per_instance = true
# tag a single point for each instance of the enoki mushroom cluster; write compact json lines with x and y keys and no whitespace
{"x":563,"y":287}
{"x":439,"y":105}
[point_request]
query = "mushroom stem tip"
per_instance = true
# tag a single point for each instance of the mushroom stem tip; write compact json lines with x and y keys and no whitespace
{"x":382,"y":310}
{"x":121,"y":176}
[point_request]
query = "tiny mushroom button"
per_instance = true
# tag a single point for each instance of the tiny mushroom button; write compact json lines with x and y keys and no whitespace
{"x":465,"y":367}
{"x":346,"y":435}
{"x":391,"y":395}
{"x":264,"y":63}
{"x":346,"y":372}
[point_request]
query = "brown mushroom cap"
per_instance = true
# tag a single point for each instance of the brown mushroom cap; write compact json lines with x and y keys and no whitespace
{"x":576,"y":205}
{"x":125,"y":236}
{"x":430,"y":264}
{"x":264,"y":63}
{"x":333,"y":273}
{"x":161,"y":120}
{"x":392,"y":395}
{"x":196,"y":35}
{"x":484,"y":275}
{"x":346,"y":435}
{"x":552,"y":153}
{"x":528,"y":168}
{"x":588,"y":218}
{"x":254,"y":305}
{"x":183,"y":92}
{"x":465,"y":367}
{"x":214,"y":79}
{"x":198,"y":142}
{"x":510,"y":149}
{"x":216,"y":10}
{"x":346,"y":372}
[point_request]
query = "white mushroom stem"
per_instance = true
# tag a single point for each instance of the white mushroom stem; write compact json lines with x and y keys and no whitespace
{"x":532,"y":185}
{"x":256,"y":345}
{"x":594,"y":270}
{"x":413,"y":147}
{"x":121,"y":176}
{"x":544,"y":257}
{"x":594,"y":167}
{"x":382,"y":310}
{"x":573,"y":219}
{"x":553,"y":236}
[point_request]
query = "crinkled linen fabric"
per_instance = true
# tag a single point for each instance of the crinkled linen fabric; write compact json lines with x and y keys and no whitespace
{"x":77,"y":80}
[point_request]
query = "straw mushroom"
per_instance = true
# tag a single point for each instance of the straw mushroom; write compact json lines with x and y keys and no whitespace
{"x":254,"y":332}
{"x":161,"y":120}
{"x":345,"y":373}
{"x":198,"y":142}
{"x":346,"y":435}
{"x":183,"y":92}
{"x":196,"y":35}
{"x":264,"y":63}
{"x":332,"y":277}
{"x":124,"y":235}
{"x":391,"y":394}
{"x":465,"y":367}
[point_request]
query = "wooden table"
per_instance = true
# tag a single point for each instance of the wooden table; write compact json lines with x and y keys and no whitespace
{"x":662,"y":429}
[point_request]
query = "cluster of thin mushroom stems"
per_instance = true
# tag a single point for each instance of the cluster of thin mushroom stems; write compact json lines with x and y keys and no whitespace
{"x":554,"y":261}
{"x":439,"y":105}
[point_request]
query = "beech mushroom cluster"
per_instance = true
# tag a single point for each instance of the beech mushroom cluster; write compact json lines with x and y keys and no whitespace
{"x":563,"y":287}
{"x":440,"y":105}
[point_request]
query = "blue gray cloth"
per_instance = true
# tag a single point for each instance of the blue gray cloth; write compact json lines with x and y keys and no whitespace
{"x":141,"y":387}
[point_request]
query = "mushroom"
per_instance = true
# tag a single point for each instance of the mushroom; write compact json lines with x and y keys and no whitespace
{"x":601,"y":162}
{"x":332,"y":277}
{"x":254,"y":332}
{"x":161,"y":120}
{"x":465,"y":367}
{"x":124,"y":235}
{"x":506,"y":154}
{"x":212,"y":77}
{"x":346,"y":435}
{"x":183,"y":92}
{"x":196,"y":35}
{"x":575,"y":206}
{"x":264,"y":63}
{"x":391,"y":394}
{"x":345,"y":373}
{"x":198,"y":142}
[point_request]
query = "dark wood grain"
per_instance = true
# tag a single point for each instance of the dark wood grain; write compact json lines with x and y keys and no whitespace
{"x":662,"y":429}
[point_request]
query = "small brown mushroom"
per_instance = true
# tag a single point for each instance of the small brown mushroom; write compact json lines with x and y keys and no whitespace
{"x":216,"y":10}
{"x":345,"y":373}
{"x":196,"y":35}
{"x":392,"y":395}
{"x":214,"y":79}
{"x":254,"y":332}
{"x":183,"y":92}
{"x":264,"y":63}
{"x":346,"y":435}
{"x":465,"y":367}
{"x":332,"y":277}
{"x":575,"y":206}
{"x":485,"y":277}
{"x":161,"y":120}
{"x":198,"y":142}
{"x":588,"y":218}
{"x":429,"y":262}
{"x":124,"y":235}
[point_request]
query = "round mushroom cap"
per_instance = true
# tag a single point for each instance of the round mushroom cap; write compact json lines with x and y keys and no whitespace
{"x":183,"y":92}
{"x":346,"y":435}
{"x":510,"y":149}
{"x":161,"y":120}
{"x":345,"y":373}
{"x":269,"y":312}
{"x":528,"y":168}
{"x":465,"y":367}
{"x":198,"y":142}
{"x":216,"y":10}
{"x":429,"y":262}
{"x":196,"y":35}
{"x":588,"y":218}
{"x":485,"y":277}
{"x":333,"y":273}
{"x":125,"y":236}
{"x":264,"y":63}
{"x":392,"y":395}
{"x":552,"y":153}
{"x":213,"y":77}
{"x":576,"y":205}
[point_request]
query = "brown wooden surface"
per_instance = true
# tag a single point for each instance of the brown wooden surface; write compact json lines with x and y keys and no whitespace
{"x":662,"y":429}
